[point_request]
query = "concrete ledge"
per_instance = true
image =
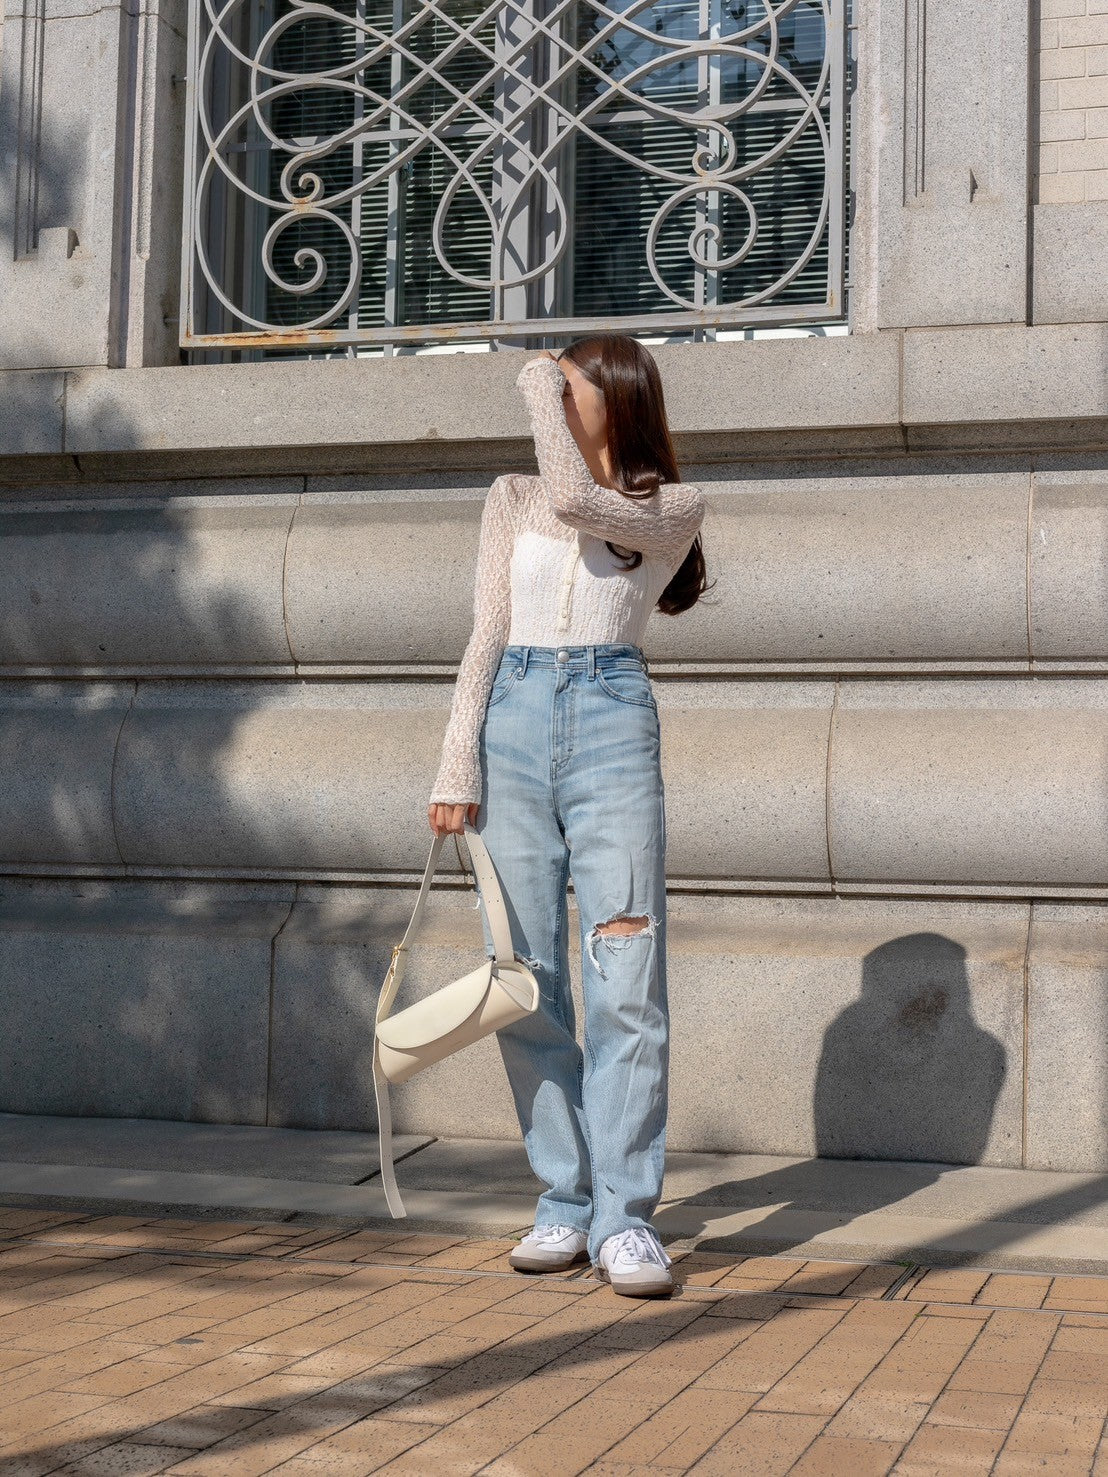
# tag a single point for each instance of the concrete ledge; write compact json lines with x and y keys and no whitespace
{"x":973,"y":387}
{"x":929,"y":1213}
{"x":1005,"y":373}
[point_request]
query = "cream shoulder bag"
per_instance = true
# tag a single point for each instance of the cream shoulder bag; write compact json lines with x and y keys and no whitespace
{"x":497,"y":992}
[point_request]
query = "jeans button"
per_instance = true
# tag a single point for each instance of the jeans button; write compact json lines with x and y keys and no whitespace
{"x":563,"y":654}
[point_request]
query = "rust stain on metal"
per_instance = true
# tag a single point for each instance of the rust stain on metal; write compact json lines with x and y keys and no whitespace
{"x":450,"y":332}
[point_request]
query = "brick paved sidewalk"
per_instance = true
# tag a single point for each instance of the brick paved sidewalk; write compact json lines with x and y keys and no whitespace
{"x":132,"y":1345}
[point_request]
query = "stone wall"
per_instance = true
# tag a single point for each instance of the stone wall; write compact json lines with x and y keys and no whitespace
{"x":885,"y":740}
{"x":225,"y":668}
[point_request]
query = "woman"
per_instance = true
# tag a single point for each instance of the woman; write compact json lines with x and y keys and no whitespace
{"x":552,"y":752}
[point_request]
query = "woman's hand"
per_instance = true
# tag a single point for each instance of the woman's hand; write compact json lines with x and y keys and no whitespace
{"x":544,"y":354}
{"x":447,"y":818}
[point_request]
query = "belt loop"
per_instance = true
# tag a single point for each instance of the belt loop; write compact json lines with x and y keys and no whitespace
{"x":592,"y":663}
{"x":523,"y":666}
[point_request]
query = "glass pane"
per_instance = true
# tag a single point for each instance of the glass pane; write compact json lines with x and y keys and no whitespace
{"x":621,"y":190}
{"x":431,"y":294}
{"x":442,"y":80}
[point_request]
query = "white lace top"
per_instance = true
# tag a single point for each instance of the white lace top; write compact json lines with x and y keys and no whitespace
{"x":544,"y":574}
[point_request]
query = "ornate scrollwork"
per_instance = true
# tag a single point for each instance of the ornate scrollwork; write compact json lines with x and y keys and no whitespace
{"x":507,"y":91}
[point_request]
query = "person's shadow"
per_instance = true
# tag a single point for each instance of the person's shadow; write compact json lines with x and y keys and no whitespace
{"x":905,"y":1073}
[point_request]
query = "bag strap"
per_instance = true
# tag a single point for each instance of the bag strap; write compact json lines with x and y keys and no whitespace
{"x":492,"y":900}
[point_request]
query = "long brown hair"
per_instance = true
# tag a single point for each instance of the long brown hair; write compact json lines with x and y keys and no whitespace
{"x":639,"y":443}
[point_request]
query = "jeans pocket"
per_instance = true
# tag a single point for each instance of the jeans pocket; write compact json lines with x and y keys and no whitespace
{"x":628,"y":683}
{"x":503,"y":683}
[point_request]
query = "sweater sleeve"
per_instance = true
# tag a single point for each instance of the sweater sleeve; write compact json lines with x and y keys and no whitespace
{"x":459,"y":777}
{"x":661,"y":526}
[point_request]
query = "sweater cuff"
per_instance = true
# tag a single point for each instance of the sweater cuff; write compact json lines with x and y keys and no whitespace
{"x":545,"y":367}
{"x":456,"y":789}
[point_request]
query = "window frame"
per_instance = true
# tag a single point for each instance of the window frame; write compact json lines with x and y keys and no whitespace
{"x":525,"y":326}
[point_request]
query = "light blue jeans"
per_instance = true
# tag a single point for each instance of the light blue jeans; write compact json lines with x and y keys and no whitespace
{"x":572,"y":787}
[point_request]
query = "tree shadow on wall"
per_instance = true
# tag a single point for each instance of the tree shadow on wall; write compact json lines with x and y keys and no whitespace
{"x":131,"y":995}
{"x":43,"y":151}
{"x":156,"y":731}
{"x":156,"y":728}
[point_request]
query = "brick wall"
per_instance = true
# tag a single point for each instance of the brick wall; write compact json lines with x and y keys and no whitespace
{"x":1073,"y":101}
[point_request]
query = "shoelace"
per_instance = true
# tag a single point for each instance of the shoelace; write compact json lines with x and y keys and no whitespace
{"x":547,"y":1233}
{"x":637,"y":1244}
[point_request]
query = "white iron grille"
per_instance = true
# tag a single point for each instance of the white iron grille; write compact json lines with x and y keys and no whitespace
{"x":401,"y":171}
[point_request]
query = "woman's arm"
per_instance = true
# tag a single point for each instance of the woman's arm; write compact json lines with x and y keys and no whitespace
{"x":662,"y":526}
{"x":459,"y":777}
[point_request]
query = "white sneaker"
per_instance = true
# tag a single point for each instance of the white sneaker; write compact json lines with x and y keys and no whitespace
{"x":549,"y":1249}
{"x":635,"y":1263}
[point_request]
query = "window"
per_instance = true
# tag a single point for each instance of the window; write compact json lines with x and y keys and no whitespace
{"x":396,"y":172}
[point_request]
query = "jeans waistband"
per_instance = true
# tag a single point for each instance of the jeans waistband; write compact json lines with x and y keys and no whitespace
{"x":575,"y":658}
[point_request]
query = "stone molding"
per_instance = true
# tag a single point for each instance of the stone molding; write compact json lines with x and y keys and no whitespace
{"x":949,"y":149}
{"x":89,"y":253}
{"x":971,"y":565}
{"x":891,"y":393}
{"x":989,"y":787}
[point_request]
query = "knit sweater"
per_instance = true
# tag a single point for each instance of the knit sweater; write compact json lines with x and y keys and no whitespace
{"x":544,"y":574}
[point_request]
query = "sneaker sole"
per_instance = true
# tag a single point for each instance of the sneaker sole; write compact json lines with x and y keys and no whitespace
{"x":525,"y":1264}
{"x":643,"y":1290}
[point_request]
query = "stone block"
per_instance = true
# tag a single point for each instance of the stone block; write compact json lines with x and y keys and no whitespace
{"x":948,"y":202}
{"x":131,"y":999}
{"x":1006,"y":373}
{"x":854,"y":1027}
{"x":767,"y":384}
{"x":1070,"y":282}
{"x":1069,"y":565}
{"x":134,"y":580}
{"x":1067,"y":1069}
{"x":56,"y":751}
{"x":363,"y":402}
{"x":859,"y":566}
{"x":292,"y":778}
{"x":63,"y":140}
{"x":359,"y":585}
{"x":744,"y":767}
{"x":996,"y":782}
{"x":32,"y":414}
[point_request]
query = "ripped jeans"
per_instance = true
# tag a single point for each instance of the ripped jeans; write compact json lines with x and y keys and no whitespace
{"x":572,"y":787}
